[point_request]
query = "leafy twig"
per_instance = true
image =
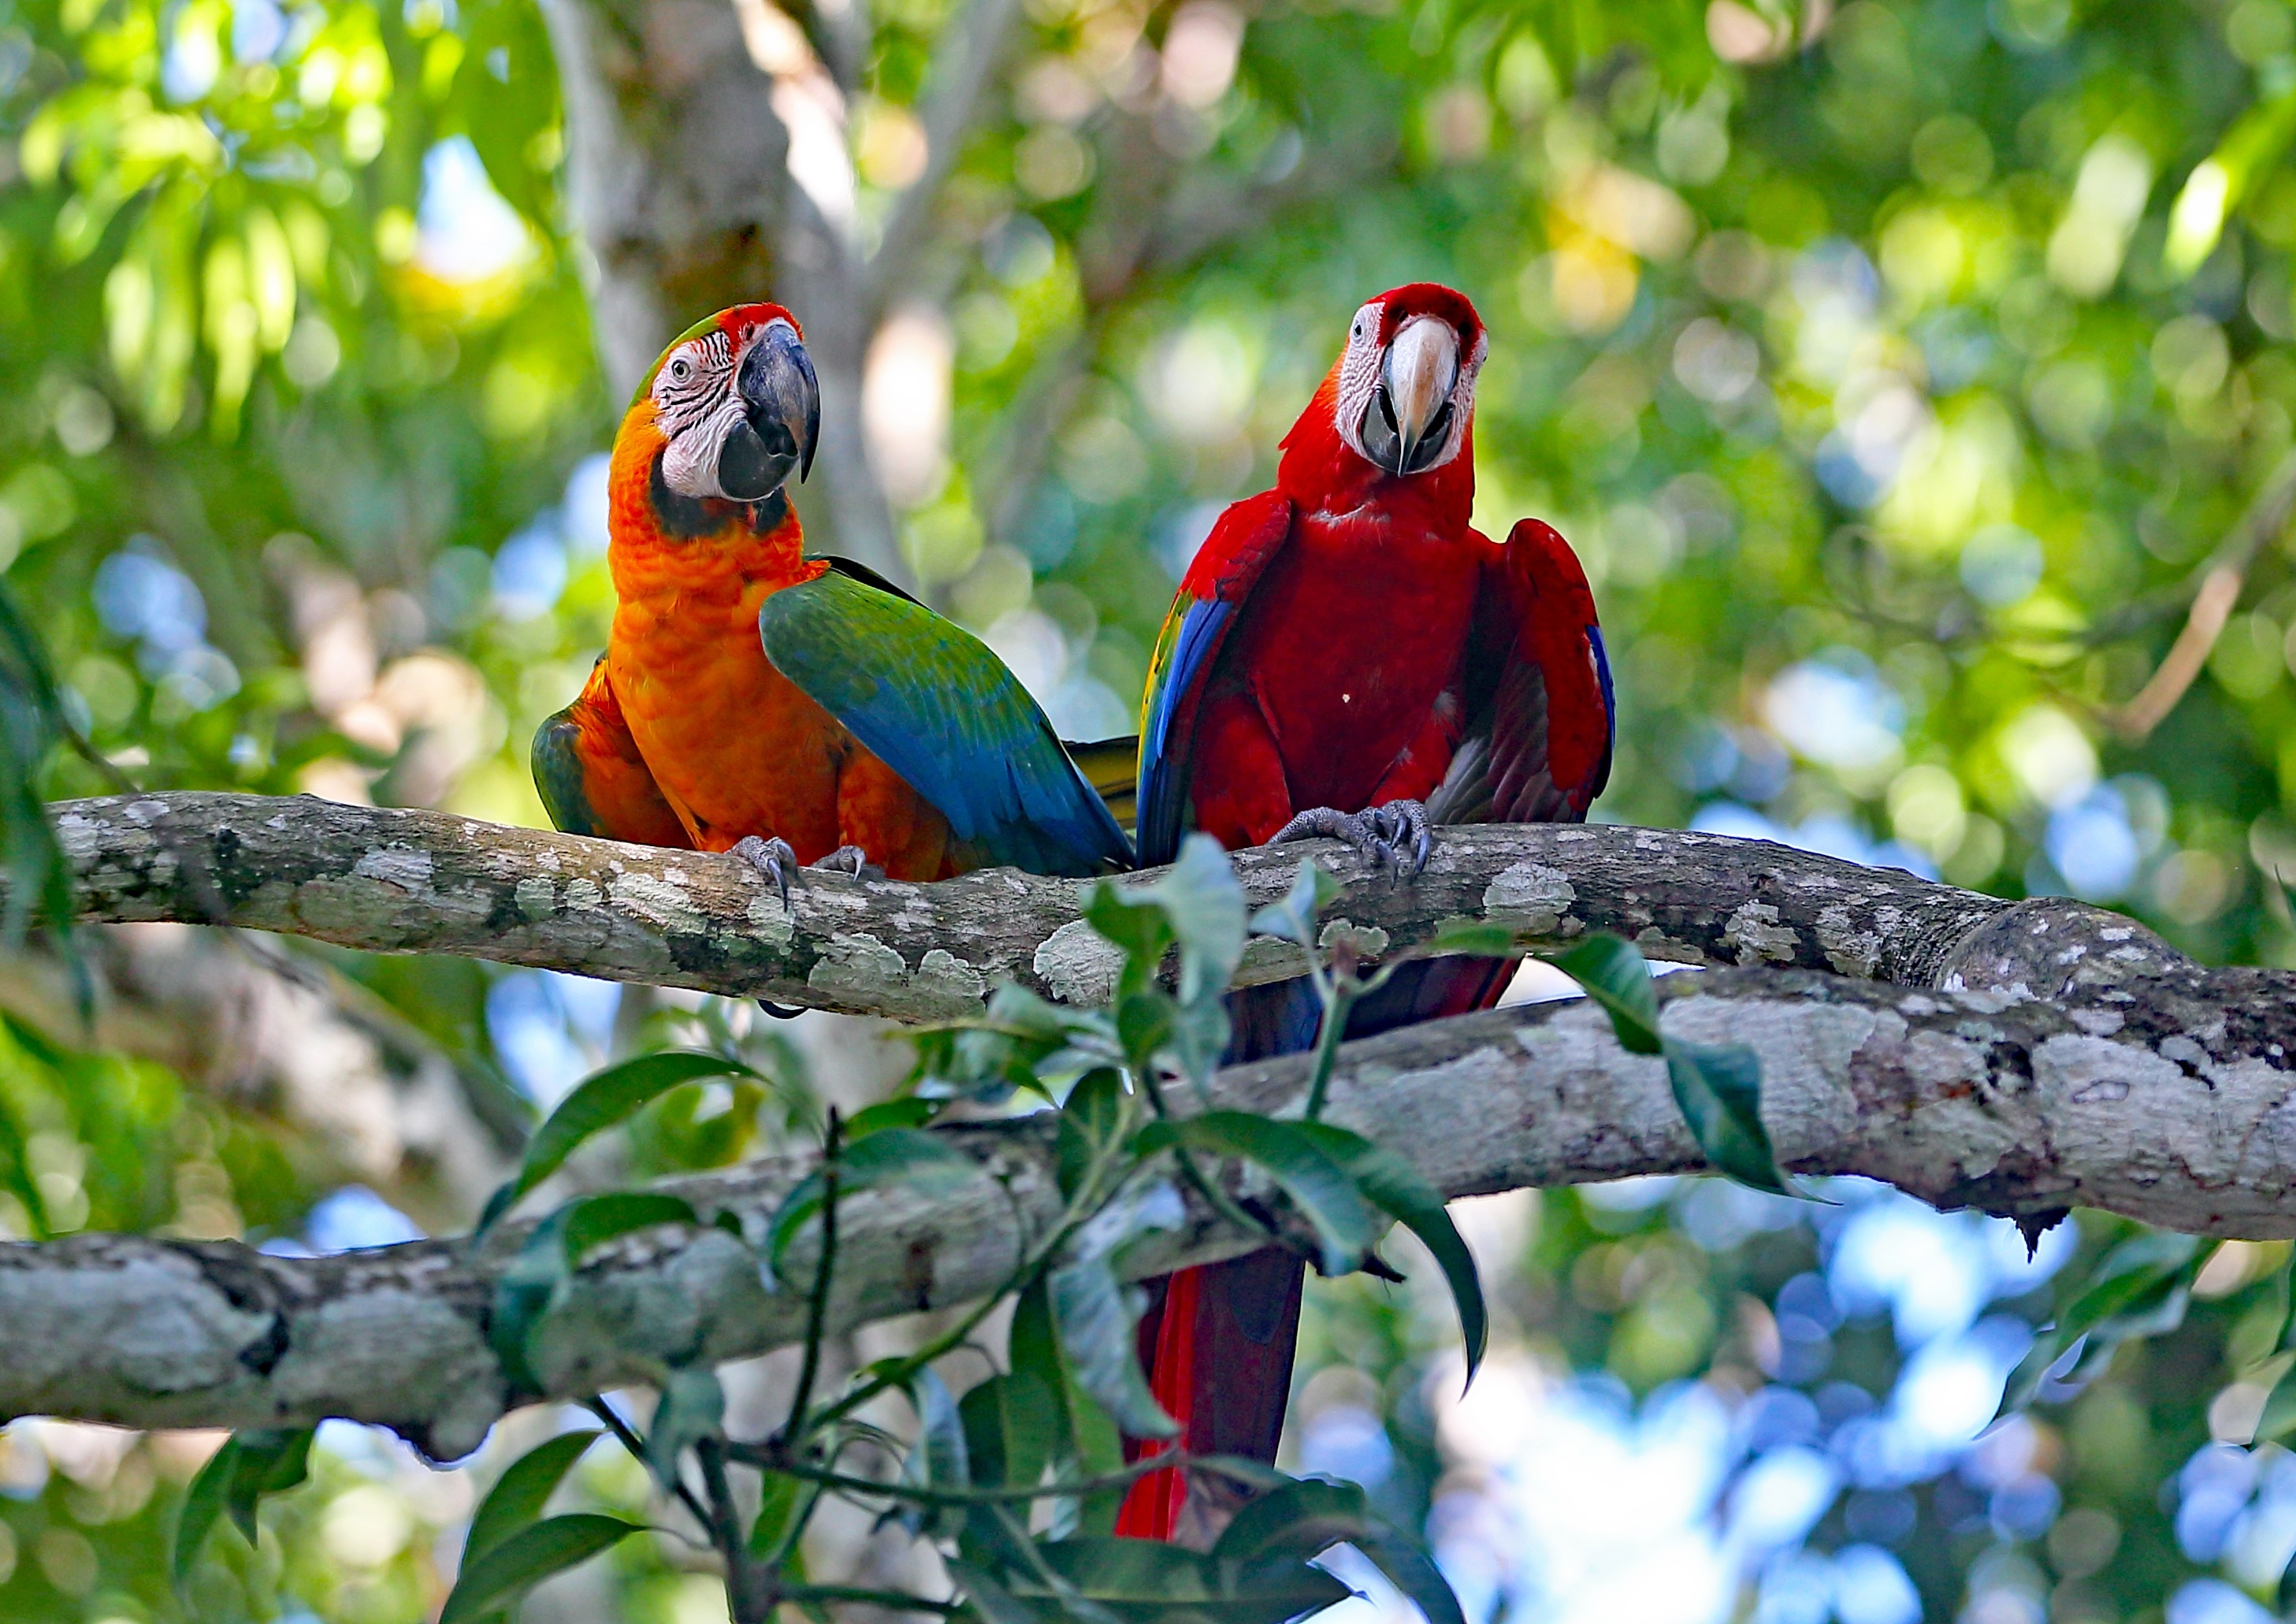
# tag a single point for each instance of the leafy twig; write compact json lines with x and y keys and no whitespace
{"x":748,"y":1589}
{"x":818,"y":1309}
{"x":626,"y":1436}
{"x":767,"y":1458}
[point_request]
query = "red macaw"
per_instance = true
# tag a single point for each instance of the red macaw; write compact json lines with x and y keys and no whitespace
{"x":790,"y":710}
{"x":1349,"y":657}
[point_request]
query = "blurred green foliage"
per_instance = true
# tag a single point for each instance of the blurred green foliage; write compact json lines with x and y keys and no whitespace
{"x":1897,"y":369}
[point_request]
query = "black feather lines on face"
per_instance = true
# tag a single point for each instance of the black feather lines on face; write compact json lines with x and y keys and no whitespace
{"x":682,"y":402}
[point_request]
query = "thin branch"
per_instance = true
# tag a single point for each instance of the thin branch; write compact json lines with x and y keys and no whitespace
{"x":747,"y":1590}
{"x":2219,"y":590}
{"x":626,"y":1436}
{"x":823,"y":1270}
{"x":966,"y":57}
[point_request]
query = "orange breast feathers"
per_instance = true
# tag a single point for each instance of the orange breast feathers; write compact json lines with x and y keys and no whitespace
{"x":736,"y":747}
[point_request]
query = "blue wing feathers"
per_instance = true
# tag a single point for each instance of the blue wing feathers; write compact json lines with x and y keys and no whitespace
{"x":1163,"y":780}
{"x":1228,"y":565}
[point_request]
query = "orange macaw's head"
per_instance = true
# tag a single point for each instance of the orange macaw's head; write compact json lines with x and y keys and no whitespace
{"x":729,"y":410}
{"x":1400,"y":403}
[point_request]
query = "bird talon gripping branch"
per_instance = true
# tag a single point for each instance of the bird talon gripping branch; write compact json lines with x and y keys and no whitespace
{"x":773,"y":858}
{"x":852,"y":862}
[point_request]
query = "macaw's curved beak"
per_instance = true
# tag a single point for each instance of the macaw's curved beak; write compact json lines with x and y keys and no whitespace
{"x":1408,"y":422}
{"x":780,"y":421}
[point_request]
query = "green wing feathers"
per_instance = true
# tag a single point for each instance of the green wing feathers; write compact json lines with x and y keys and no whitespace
{"x":938,"y":707}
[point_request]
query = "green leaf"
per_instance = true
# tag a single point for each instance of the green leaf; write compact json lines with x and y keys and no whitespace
{"x":1302,"y":1519}
{"x":1013,"y":1429}
{"x":1091,"y":1117}
{"x":1618,"y":978}
{"x":1146,"y":1023}
{"x":692,"y":1407}
{"x":1324,"y":1190}
{"x":1397,"y":1187}
{"x":2131,"y":1280}
{"x":1719,"y":1090}
{"x":1095,"y":1314}
{"x":907,"y":1111}
{"x":594,"y":1220}
{"x":1083,"y":1438}
{"x":1293,"y":919}
{"x":1197,"y":902}
{"x":1410,"y":1570}
{"x":598,"y":1102}
{"x":204,"y":1503}
{"x":2278,"y":1419}
{"x":940,"y":1456}
{"x":1139,"y":930}
{"x":924,"y":1161}
{"x":1472,"y":938}
{"x":1145,"y":1580}
{"x":518,"y":1497}
{"x":2140,"y":1288}
{"x":505,"y":1573}
{"x":781,"y":1500}
{"x":1306,"y":1517}
{"x":993,"y":1602}
{"x":270,"y":1461}
{"x":523,"y":1293}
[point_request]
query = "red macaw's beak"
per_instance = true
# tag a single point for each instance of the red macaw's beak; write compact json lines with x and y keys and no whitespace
{"x":779,"y":420}
{"x":1408,"y":422}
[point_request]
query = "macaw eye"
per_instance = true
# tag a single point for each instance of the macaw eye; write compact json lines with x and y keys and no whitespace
{"x":680,"y":370}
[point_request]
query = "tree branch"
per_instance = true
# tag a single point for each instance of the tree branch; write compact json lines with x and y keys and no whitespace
{"x":2165,"y":1096}
{"x":967,"y":54}
{"x":396,"y":881}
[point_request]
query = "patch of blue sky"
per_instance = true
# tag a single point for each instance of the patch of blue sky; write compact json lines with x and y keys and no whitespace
{"x":550,"y":1029}
{"x":465,"y":230}
{"x":355,"y":1218}
{"x":1835,"y":710}
{"x":1826,"y":833}
{"x":530,"y":571}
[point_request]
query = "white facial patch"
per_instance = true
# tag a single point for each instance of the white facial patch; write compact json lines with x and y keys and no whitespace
{"x":1359,"y":376}
{"x":696,"y":407}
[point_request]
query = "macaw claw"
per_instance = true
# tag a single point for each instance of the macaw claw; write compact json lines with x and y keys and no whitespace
{"x":775,"y":859}
{"x":1394,"y":834}
{"x":850,"y":861}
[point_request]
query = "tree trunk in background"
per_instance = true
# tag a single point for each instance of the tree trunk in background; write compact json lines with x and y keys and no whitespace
{"x":677,"y":177}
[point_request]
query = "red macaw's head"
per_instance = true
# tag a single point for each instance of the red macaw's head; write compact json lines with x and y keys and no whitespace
{"x":730,"y":409}
{"x":1400,"y":401}
{"x":1406,"y":389}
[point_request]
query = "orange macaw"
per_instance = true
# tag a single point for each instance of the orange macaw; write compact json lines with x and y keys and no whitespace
{"x":793,"y":710}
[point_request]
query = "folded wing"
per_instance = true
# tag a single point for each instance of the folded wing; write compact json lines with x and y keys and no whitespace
{"x":938,"y":707}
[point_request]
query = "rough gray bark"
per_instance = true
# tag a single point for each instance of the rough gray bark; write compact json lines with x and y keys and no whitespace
{"x":2167,"y":1098}
{"x":2028,"y":1058}
{"x":417,"y":881}
{"x":357,"y":1094}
